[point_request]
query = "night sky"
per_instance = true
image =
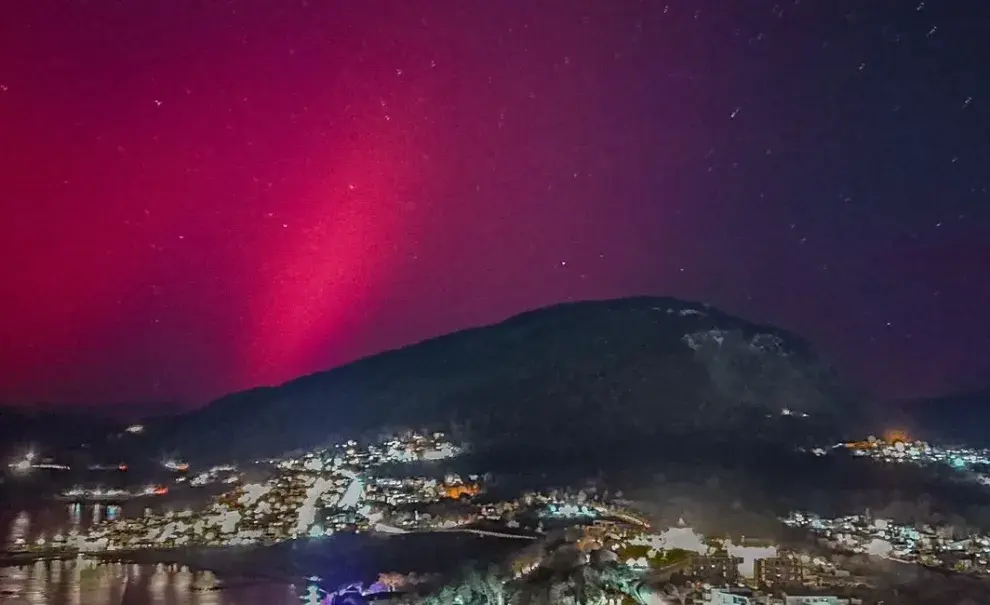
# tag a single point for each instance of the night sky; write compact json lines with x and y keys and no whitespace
{"x":199,"y":197}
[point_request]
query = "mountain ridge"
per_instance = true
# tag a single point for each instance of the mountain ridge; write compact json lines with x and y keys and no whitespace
{"x":604,"y":370}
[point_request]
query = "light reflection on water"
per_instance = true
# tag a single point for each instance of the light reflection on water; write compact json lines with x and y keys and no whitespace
{"x":89,"y":582}
{"x":20,"y":527}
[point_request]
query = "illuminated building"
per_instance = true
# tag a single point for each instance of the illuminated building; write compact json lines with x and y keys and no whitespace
{"x":459,"y":490}
{"x":814,"y":600}
{"x":779,"y":571}
{"x":176,"y":465}
{"x":719,"y":565}
{"x":723,"y":597}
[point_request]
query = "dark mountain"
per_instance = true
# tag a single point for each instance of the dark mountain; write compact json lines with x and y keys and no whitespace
{"x":575,"y":378}
{"x":50,"y":431}
{"x":961,"y":417}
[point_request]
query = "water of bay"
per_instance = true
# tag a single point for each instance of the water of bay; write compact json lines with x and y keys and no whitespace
{"x":247,"y":576}
{"x":91,"y":582}
{"x":87,"y":582}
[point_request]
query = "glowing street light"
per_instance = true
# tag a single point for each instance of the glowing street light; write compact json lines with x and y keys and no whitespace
{"x":24,"y":464}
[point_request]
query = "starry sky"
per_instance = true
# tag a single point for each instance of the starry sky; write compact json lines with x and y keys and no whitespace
{"x":200,"y":197}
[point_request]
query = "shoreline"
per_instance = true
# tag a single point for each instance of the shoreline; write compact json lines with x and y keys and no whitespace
{"x":341,"y":561}
{"x":144,"y":556}
{"x":184,"y":554}
{"x":248,"y":565}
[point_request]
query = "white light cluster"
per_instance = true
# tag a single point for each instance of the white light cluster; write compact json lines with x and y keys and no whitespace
{"x":887,"y":539}
{"x":316,"y":494}
{"x":308,"y":509}
{"x":252,"y":492}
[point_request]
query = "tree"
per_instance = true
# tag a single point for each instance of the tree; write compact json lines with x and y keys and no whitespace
{"x":677,"y":593}
{"x":483,"y":587}
{"x":588,"y":585}
{"x":493,"y":587}
{"x":393,"y":581}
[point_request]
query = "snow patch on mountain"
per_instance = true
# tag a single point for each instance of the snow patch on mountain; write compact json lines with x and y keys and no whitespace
{"x":681,"y":312}
{"x":699,"y":339}
{"x":760,"y":343}
{"x":768,"y":343}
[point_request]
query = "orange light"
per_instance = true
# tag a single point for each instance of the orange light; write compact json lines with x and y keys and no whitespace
{"x":456,"y":491}
{"x":895,"y":435}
